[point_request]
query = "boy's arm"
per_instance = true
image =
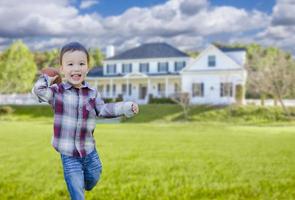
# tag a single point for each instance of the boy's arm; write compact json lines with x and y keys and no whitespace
{"x":42,"y":89}
{"x":114,"y":109}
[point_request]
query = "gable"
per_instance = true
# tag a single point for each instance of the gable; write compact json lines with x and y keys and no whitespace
{"x":222,"y":61}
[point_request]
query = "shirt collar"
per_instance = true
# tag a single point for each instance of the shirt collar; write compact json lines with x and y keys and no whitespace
{"x":68,"y":85}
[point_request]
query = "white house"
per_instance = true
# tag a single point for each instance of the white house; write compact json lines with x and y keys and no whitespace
{"x":160,"y":70}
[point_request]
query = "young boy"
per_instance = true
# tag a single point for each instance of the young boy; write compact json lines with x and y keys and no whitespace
{"x":76,"y":106}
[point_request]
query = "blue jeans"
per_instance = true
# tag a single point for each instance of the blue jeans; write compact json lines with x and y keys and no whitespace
{"x":81,"y":173}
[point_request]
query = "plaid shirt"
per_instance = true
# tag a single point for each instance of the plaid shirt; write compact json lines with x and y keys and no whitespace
{"x":75,"y":111}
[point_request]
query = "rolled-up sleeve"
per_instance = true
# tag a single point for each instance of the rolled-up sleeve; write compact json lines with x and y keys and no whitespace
{"x":109,"y":110}
{"x":43,"y":91}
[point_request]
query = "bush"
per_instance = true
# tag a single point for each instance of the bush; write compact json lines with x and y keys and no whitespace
{"x":6,"y":110}
{"x":161,"y":101}
{"x":112,"y":100}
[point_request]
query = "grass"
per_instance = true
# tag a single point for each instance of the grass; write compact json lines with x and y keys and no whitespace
{"x":155,"y":161}
{"x":166,"y":113}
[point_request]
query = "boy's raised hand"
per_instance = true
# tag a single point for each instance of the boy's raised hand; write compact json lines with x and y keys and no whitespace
{"x":52,"y":79}
{"x":134,"y":108}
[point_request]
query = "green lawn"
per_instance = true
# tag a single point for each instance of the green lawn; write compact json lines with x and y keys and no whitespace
{"x":156,"y":161}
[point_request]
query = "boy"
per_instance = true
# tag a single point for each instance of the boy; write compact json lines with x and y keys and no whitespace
{"x":76,"y":106}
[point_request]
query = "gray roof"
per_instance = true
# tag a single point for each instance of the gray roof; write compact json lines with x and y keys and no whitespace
{"x":150,"y":50}
{"x":95,"y":72}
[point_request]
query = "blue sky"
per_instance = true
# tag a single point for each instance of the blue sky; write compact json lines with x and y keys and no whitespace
{"x":186,"y":24}
{"x":117,"y":7}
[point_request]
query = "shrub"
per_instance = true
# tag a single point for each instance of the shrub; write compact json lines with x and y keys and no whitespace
{"x":161,"y":101}
{"x":6,"y":110}
{"x":107,"y":100}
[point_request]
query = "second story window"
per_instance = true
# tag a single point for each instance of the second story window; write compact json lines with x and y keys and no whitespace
{"x":163,"y":67}
{"x":211,"y":61}
{"x":126,"y":68}
{"x":178,"y":66}
{"x":111,"y":69}
{"x":144,"y":67}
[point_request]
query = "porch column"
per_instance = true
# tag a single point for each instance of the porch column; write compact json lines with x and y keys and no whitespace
{"x":148,"y":86}
{"x":96,"y":83}
{"x":148,"y":89}
{"x":127,"y":87}
{"x":166,"y":87}
{"x":111,"y":87}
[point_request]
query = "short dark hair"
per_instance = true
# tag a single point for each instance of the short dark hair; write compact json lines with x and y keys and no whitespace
{"x":72,"y":46}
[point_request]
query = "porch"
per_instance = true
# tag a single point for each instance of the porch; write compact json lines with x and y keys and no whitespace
{"x":137,"y":86}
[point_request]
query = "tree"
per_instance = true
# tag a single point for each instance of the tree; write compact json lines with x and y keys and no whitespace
{"x":182,"y":99}
{"x":18,"y":69}
{"x":96,"y":58}
{"x":273,"y":73}
{"x":47,"y":59}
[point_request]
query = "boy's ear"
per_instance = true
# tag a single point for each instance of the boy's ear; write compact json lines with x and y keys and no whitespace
{"x":61,"y":69}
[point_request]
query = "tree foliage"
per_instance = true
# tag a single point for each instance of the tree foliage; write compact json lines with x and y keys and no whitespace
{"x":96,"y":57}
{"x":47,"y":59}
{"x":18,"y":69}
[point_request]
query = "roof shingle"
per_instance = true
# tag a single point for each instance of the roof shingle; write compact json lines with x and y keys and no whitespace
{"x":150,"y":50}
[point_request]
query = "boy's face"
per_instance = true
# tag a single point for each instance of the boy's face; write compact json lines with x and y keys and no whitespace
{"x":74,"y":67}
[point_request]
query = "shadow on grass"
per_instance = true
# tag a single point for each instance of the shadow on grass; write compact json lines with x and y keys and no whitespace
{"x":153,"y":112}
{"x":33,"y":111}
{"x":196,"y":110}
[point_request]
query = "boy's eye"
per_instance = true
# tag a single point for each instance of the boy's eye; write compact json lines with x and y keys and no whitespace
{"x":82,"y":63}
{"x":70,"y":64}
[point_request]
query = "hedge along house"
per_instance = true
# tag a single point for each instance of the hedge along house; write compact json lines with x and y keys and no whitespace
{"x":160,"y":70}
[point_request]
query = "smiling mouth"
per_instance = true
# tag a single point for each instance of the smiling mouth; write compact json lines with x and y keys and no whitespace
{"x":76,"y":76}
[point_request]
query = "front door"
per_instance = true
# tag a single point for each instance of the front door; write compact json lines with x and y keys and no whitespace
{"x":142,"y":91}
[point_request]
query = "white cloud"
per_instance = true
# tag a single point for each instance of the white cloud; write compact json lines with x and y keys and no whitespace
{"x":54,"y":18}
{"x":187,"y":24}
{"x":283,"y":13}
{"x":88,"y":3}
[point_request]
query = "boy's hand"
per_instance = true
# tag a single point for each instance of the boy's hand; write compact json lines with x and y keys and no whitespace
{"x":52,"y":79}
{"x":134,"y":108}
{"x":53,"y":75}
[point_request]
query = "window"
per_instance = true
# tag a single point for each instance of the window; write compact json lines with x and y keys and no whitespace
{"x":100,"y":88}
{"x":176,"y":88}
{"x":124,"y":89}
{"x":161,"y":89}
{"x":226,"y":89}
{"x":163,"y":67}
{"x":178,"y":66}
{"x":114,"y":90}
{"x":130,"y":89}
{"x":111,"y":68}
{"x":108,"y":90}
{"x":198,"y":89}
{"x":211,"y":61}
{"x":126,"y":68}
{"x":144,"y":67}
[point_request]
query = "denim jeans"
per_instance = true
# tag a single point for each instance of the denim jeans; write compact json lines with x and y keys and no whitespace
{"x":81,"y":173}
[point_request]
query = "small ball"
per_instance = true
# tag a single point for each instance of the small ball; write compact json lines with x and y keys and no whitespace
{"x":51,"y":72}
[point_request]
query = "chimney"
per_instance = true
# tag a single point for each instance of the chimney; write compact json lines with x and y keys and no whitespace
{"x":110,"y":51}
